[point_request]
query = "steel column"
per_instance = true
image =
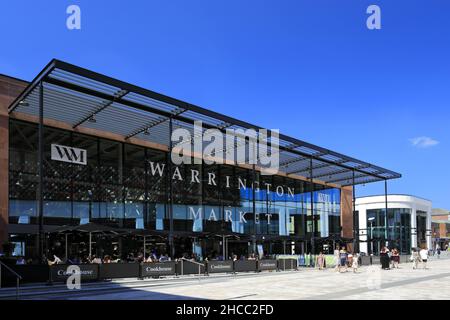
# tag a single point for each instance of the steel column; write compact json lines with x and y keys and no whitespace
{"x":67,"y":247}
{"x":386,"y":220}
{"x":144,"y":246}
{"x":223,"y":248}
{"x":41,"y":173}
{"x":313,"y":249}
{"x":169,"y":185}
{"x":254,"y":208}
{"x":90,"y":245}
{"x":354,"y":211}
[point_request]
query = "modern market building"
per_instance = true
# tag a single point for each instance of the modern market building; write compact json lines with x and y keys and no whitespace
{"x":78,"y":147}
{"x":408,"y":222}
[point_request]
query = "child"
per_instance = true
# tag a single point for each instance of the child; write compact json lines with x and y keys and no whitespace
{"x":355,"y":263}
{"x":395,"y":258}
{"x":320,"y":260}
{"x":415,"y":258}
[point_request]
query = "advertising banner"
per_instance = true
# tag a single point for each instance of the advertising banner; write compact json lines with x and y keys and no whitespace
{"x":158,"y":269}
{"x":220,"y":266}
{"x":267,"y":265}
{"x":87,"y":272}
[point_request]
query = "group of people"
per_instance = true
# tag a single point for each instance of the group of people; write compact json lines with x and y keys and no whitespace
{"x":93,"y":259}
{"x":344,"y":260}
{"x":437,"y":250}
{"x":419,"y":256}
{"x":389,"y":258}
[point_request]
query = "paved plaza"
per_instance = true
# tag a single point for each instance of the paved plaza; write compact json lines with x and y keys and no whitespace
{"x":370,"y":283}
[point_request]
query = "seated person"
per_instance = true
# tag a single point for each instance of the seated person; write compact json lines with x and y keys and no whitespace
{"x":96,"y":260}
{"x":20,"y":261}
{"x":130,"y":257}
{"x":106,"y":259}
{"x":164,"y":258}
{"x":55,"y":261}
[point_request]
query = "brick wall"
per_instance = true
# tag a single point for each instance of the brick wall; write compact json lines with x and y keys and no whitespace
{"x":10,"y":88}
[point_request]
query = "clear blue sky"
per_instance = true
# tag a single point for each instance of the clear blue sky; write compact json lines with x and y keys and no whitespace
{"x":310,"y":68}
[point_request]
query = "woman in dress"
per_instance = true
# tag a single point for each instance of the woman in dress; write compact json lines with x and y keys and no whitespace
{"x":384,"y":259}
{"x":395,"y":258}
{"x":320,"y":260}
{"x":355,"y":262}
{"x":415,"y":258}
{"x":336,"y":259}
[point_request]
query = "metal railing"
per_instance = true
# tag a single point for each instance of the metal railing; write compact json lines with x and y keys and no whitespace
{"x":18,"y":277}
{"x":200,"y":265}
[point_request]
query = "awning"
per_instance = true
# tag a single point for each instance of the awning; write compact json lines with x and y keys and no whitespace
{"x":334,"y":238}
{"x":81,"y":98}
{"x":88,"y":228}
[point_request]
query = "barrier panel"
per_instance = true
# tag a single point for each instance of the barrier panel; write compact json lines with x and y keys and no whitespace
{"x":365,"y":260}
{"x":219,"y":266}
{"x":88,"y":272}
{"x":119,"y":270}
{"x":188,"y":267}
{"x":267,"y":265}
{"x":287,"y":264}
{"x":29,"y":274}
{"x":157,"y":269}
{"x":32,"y":273}
{"x":376,"y":260}
{"x":245,"y":266}
{"x":404,"y":258}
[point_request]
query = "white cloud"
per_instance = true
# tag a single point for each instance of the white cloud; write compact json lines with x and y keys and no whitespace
{"x":423,"y":142}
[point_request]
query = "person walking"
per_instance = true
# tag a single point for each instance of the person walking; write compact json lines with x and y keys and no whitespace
{"x":355,"y":262}
{"x":343,"y":259}
{"x":424,"y":256}
{"x":349,"y":259}
{"x":395,"y":258}
{"x":384,"y":258}
{"x":415,"y":258}
{"x":320,"y":260}
{"x":336,"y":259}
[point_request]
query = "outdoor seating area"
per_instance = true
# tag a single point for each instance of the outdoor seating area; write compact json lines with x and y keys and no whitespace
{"x":58,"y":273}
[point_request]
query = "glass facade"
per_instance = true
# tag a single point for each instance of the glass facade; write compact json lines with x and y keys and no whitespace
{"x":397,"y":232}
{"x":421,"y":223}
{"x":128,"y":186}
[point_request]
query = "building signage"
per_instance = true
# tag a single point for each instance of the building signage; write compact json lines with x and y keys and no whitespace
{"x":158,"y":269}
{"x":68,"y":154}
{"x":267,"y":265}
{"x":87,"y":272}
{"x":197,"y":213}
{"x":220,"y":266}
{"x":323,"y":197}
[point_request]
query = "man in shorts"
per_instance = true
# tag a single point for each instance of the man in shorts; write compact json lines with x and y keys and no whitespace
{"x":343,"y":259}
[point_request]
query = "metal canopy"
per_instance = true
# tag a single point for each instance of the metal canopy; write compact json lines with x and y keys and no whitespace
{"x":86,"y":99}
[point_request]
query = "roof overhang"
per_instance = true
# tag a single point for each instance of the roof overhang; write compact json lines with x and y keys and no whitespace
{"x":73,"y":95}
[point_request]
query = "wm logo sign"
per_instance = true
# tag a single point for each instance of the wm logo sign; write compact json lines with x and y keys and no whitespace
{"x":69,"y":154}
